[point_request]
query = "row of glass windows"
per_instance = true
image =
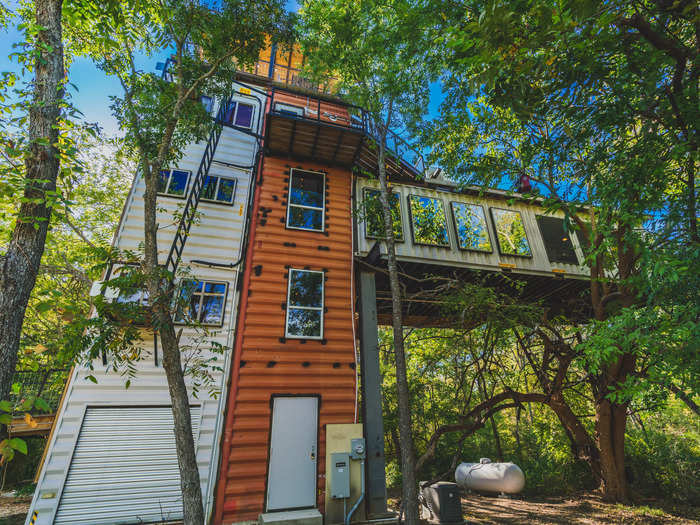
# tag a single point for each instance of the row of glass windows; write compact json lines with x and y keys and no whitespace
{"x":204,"y":302}
{"x":174,"y":183}
{"x":200,"y":301}
{"x":428,"y":221}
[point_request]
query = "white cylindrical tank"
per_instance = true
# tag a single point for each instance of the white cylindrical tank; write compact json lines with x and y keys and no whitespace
{"x":490,"y":477}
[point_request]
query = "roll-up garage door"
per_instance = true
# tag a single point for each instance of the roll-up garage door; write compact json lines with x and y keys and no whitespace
{"x":124,"y":468}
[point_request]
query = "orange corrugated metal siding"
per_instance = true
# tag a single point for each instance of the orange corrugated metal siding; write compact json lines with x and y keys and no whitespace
{"x":329,"y":371}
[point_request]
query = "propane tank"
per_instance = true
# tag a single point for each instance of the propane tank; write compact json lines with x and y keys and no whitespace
{"x":486,"y":476}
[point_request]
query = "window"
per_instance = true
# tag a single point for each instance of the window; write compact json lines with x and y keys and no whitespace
{"x":306,"y":209}
{"x":218,"y":189}
{"x":428,"y":221}
{"x":289,"y":110}
{"x":207,"y":103}
{"x":470,"y":225}
{"x":510,"y":233}
{"x":128,"y":279}
{"x":374,"y":216}
{"x":557,"y":240}
{"x":173,"y":182}
{"x":238,"y":114}
{"x":202,"y":302}
{"x":305,"y":304}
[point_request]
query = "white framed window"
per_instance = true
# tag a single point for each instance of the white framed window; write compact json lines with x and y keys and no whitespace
{"x":306,"y":208}
{"x":137,"y":295}
{"x":218,"y":189}
{"x":202,"y":302}
{"x":305,"y":304}
{"x":239,"y":114}
{"x":207,"y":103}
{"x":173,"y":183}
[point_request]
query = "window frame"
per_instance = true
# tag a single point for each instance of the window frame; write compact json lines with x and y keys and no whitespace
{"x":290,"y":204}
{"x":546,"y":250}
{"x":203,"y":294}
{"x":486,"y":223}
{"x":216,"y":191}
{"x":238,"y":103}
{"x":413,"y":230}
{"x":495,"y":231}
{"x":402,"y":238}
{"x":170,"y":178}
{"x":320,"y":309}
{"x":289,"y":110}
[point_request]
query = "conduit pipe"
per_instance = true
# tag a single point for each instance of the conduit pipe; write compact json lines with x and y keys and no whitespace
{"x":362,"y":493}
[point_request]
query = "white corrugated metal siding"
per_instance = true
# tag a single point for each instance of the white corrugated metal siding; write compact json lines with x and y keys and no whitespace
{"x":216,"y":237}
{"x":452,"y":256}
{"x":124,"y":468}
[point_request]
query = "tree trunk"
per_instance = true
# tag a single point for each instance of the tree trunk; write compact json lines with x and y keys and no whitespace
{"x":160,"y":291}
{"x":408,"y":454}
{"x":19,"y":266}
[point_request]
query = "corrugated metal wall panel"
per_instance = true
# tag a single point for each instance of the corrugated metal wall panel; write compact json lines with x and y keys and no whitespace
{"x":275,"y":367}
{"x":124,"y":468}
{"x":409,"y":251}
{"x":217,"y":237}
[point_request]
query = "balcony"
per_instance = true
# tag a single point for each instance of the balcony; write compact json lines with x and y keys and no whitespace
{"x":331,"y":132}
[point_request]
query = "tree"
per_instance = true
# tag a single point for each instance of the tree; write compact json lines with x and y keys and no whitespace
{"x":35,"y":164}
{"x":159,"y":117}
{"x":600,"y":99}
{"x":377,"y":52}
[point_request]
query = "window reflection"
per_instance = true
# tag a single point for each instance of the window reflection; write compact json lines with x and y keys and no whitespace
{"x":201,"y":301}
{"x":510,"y":233}
{"x":428,"y":220}
{"x":305,"y":304}
{"x":306,"y":200}
{"x":470,"y":225}
{"x":374,"y":216}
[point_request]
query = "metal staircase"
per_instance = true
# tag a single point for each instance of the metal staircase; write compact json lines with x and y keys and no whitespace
{"x":190,"y":209}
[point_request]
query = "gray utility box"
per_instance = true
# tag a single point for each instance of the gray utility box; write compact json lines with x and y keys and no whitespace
{"x":340,"y":475}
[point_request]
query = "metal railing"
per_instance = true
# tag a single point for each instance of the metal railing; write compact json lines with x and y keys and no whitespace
{"x":45,"y":383}
{"x":346,"y":115}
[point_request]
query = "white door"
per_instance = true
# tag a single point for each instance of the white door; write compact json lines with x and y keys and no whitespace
{"x":291,"y":479}
{"x":124,"y":468}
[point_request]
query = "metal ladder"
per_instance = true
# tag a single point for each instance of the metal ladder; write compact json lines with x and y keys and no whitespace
{"x":190,"y":209}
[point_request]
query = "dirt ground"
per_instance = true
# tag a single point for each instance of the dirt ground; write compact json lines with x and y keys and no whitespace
{"x":580,"y":510}
{"x":583,"y":509}
{"x":14,"y":510}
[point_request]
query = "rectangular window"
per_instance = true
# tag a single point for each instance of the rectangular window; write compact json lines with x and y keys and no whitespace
{"x":306,"y":205}
{"x":202,"y":302}
{"x":173,"y":182}
{"x":557,"y":240}
{"x":374,"y":216}
{"x":510,"y":233}
{"x":428,"y":221}
{"x":207,"y":103}
{"x":288,"y":109}
{"x":239,"y":114}
{"x":129,"y":281}
{"x":470,"y":225}
{"x":305,"y":304}
{"x":218,"y":189}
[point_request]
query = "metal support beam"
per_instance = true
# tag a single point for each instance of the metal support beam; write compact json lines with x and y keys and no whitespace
{"x":372,"y":397}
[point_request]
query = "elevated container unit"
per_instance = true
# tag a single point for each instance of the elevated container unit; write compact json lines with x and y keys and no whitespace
{"x":111,"y":454}
{"x":294,"y":368}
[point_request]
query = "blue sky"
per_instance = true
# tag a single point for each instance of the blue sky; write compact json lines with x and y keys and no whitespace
{"x":93,"y":88}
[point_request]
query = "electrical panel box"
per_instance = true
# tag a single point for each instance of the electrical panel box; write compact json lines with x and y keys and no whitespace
{"x":357,"y":448}
{"x":340,"y":475}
